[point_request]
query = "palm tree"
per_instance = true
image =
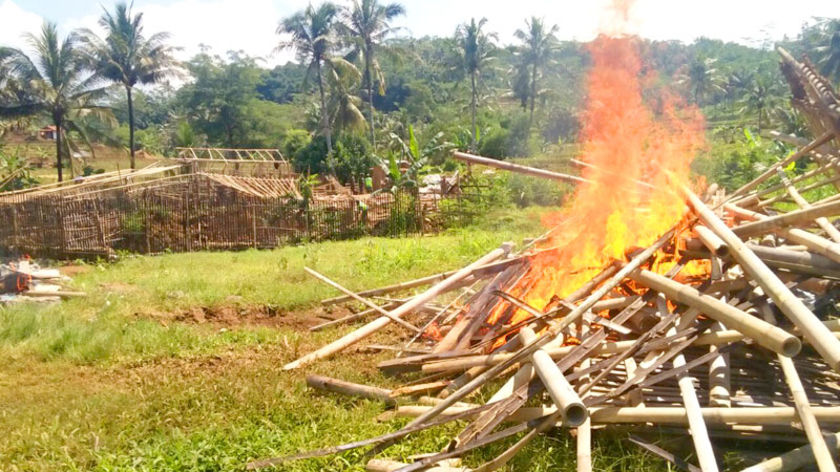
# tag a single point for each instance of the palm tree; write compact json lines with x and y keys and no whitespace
{"x":311,"y":31}
{"x":538,"y":43}
{"x":477,"y":51}
{"x":342,"y":104}
{"x":366,"y":25}
{"x":702,"y":78}
{"x":831,"y":56}
{"x":761,"y":97}
{"x":56,"y":84}
{"x":126,"y":56}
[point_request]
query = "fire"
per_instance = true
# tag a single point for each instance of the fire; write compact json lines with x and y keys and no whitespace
{"x":627,"y":138}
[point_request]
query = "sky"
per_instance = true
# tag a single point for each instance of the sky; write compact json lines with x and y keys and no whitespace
{"x":249,"y":25}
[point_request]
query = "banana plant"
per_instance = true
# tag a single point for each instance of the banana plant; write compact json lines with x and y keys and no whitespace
{"x":416,"y":155}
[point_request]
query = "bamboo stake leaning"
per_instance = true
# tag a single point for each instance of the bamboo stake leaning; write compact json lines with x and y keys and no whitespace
{"x":822,"y":221}
{"x":696,"y":424}
{"x":379,"y":323}
{"x":365,"y":301}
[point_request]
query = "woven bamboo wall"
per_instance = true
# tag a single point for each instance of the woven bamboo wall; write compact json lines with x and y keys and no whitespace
{"x":197,"y":211}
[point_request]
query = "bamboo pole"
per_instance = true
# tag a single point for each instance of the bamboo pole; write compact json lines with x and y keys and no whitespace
{"x":584,"y":434}
{"x":419,"y":282}
{"x":365,"y":301}
{"x":777,"y":222}
{"x":381,"y":465}
{"x":567,"y":400}
{"x":795,"y":459}
{"x":379,"y":323}
{"x":348,"y":388}
{"x":822,"y":454}
{"x":823,"y":222}
{"x":546,"y":174}
{"x":696,"y":424}
{"x":711,"y":241}
{"x":826,"y":137}
{"x":817,"y":334}
{"x":671,"y":415}
{"x":765,"y":334}
{"x":719,"y":375}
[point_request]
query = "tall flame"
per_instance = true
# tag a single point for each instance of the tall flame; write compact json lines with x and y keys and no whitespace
{"x":632,"y":133}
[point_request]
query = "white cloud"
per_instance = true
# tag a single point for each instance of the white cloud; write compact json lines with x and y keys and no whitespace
{"x":250,"y":25}
{"x":15,"y":22}
{"x":223,"y":25}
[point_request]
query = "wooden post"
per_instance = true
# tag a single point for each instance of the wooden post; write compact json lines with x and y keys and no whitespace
{"x":147,"y":226}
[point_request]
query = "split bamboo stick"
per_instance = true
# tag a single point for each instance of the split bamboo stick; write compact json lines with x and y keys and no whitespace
{"x":379,"y":323}
{"x":365,"y":301}
{"x":817,"y":334}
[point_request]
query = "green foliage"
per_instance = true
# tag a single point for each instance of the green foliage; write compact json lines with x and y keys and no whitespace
{"x":353,"y":157}
{"x":733,"y":159}
{"x":312,"y":157}
{"x":511,"y":139}
{"x":15,"y":173}
{"x":294,"y":141}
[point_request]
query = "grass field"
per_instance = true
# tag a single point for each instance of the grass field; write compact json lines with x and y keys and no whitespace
{"x":173,"y":362}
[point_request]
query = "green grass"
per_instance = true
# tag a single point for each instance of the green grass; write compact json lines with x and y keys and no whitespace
{"x":114,"y":381}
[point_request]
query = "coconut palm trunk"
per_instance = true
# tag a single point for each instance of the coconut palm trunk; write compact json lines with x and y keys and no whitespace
{"x":533,"y":95}
{"x":369,"y":75}
{"x":325,"y":121}
{"x":58,"y":143}
{"x":130,"y":127}
{"x":473,"y":112}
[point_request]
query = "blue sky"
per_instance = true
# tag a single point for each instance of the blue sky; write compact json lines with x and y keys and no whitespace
{"x":249,"y":25}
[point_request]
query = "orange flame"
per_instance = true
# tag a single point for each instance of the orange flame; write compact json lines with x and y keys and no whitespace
{"x":633,"y":133}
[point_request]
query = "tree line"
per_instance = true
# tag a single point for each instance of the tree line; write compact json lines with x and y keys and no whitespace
{"x":361,"y":93}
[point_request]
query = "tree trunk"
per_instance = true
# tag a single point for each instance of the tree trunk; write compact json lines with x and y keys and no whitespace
{"x":533,"y":95}
{"x":325,"y":122}
{"x":130,"y":127}
{"x":368,"y":72}
{"x":473,"y":110}
{"x":57,"y":124}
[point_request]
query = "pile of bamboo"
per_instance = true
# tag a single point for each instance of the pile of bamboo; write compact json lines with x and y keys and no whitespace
{"x":746,"y":350}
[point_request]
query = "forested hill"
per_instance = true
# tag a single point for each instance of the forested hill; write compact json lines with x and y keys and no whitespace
{"x":525,"y":97}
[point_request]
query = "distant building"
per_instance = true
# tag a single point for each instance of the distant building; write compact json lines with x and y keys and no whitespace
{"x":48,"y":133}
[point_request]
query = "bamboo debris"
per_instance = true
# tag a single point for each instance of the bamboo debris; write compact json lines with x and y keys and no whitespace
{"x":403,"y":309}
{"x":646,"y":342}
